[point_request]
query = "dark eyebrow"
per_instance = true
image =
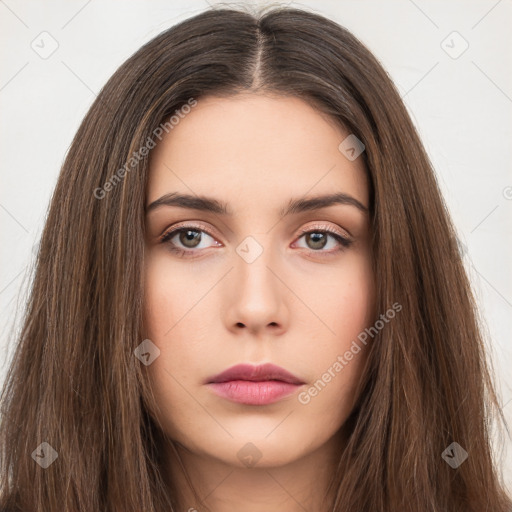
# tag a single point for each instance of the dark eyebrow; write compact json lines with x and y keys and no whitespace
{"x":316,"y":203}
{"x":205,"y":204}
{"x":208,"y":204}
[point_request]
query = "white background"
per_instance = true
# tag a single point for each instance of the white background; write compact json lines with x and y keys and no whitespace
{"x":462,"y":107}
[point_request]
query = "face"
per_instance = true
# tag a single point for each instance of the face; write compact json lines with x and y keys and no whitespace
{"x":254,"y":286}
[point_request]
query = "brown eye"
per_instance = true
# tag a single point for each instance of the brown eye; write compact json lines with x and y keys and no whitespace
{"x":317,"y":239}
{"x":185,"y":240}
{"x":189,"y":238}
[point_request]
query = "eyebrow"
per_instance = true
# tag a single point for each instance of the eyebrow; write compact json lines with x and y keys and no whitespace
{"x":294,"y":206}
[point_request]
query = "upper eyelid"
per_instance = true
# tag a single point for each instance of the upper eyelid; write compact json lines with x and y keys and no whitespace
{"x":183,"y":226}
{"x":321,"y":226}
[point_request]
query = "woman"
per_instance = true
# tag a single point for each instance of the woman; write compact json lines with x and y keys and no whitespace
{"x":249,"y":294}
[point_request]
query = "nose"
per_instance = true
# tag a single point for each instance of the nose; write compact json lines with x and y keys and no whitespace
{"x":257,"y":293}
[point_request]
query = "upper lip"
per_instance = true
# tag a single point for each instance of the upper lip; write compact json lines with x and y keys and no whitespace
{"x":253,"y":373}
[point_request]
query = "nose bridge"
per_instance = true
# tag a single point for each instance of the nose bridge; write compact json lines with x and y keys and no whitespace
{"x":255,"y":256}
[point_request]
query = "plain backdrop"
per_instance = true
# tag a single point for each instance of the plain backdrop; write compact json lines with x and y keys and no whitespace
{"x":449,"y":60}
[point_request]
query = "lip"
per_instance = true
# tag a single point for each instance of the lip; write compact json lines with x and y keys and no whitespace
{"x":254,"y":385}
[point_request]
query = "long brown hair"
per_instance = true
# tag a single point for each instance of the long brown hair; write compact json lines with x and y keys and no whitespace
{"x":74,"y":382}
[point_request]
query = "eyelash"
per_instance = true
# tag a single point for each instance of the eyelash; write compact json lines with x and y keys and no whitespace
{"x":167,"y":236}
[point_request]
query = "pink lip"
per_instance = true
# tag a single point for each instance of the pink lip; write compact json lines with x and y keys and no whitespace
{"x":254,"y":385}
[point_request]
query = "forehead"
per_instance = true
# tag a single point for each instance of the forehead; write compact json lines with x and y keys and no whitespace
{"x":253,"y":148}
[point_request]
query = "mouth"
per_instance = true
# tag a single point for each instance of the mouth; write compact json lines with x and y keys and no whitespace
{"x":254,"y":385}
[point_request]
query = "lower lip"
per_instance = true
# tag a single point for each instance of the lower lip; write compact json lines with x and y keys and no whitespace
{"x":253,"y":393}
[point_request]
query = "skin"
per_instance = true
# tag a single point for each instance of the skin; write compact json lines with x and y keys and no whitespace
{"x":298,"y":305}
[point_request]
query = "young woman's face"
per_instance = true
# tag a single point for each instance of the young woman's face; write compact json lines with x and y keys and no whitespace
{"x":247,"y":287}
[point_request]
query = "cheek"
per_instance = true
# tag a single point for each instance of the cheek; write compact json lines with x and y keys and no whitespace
{"x":345,"y":305}
{"x":159,"y":305}
{"x":356,"y":300}
{"x":170,"y":297}
{"x":170,"y":292}
{"x":342,"y":302}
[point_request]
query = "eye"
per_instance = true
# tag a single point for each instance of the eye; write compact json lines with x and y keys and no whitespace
{"x":187,"y":238}
{"x":317,"y":239}
{"x":184,"y":241}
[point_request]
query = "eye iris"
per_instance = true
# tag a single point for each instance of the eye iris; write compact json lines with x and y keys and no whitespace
{"x":315,"y":238}
{"x":188,"y":236}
